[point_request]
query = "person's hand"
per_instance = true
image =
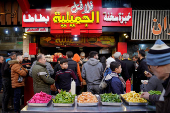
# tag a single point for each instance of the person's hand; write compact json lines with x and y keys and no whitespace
{"x":59,"y":90}
{"x":145,"y":82}
{"x":147,"y":74}
{"x":28,"y":66}
{"x":81,"y":62}
{"x":145,"y":95}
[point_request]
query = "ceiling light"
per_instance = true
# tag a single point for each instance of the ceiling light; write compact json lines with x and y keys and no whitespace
{"x":48,"y":8}
{"x":25,"y":34}
{"x":75,"y":38}
{"x":124,"y":34}
{"x":6,"y":31}
{"x":75,"y":35}
{"x":24,"y":37}
{"x":16,"y":29}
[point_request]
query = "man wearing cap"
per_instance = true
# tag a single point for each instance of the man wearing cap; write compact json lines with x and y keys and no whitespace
{"x":26,"y":63}
{"x":158,"y":60}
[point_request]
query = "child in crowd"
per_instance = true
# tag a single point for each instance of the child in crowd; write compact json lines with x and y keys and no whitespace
{"x":114,"y":83}
{"x":63,"y":77}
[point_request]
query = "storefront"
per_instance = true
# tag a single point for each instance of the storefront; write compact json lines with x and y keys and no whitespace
{"x":78,"y":25}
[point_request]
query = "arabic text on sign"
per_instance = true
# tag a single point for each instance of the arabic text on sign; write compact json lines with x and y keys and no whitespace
{"x":35,"y":19}
{"x":36,"y":29}
{"x":119,"y":18}
{"x":77,"y":20}
{"x":159,"y":30}
{"x":77,"y":7}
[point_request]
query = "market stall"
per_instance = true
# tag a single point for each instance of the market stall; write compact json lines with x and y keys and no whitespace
{"x":98,"y":106}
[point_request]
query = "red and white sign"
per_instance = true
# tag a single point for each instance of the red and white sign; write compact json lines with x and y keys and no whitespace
{"x":78,"y":16}
{"x":36,"y":18}
{"x":36,"y":29}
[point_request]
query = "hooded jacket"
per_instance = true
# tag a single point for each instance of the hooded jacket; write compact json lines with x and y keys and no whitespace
{"x":17,"y":70}
{"x":92,"y":72}
{"x":76,"y":58}
{"x":41,"y":78}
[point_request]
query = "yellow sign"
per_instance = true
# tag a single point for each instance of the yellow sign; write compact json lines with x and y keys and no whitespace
{"x":77,"y":20}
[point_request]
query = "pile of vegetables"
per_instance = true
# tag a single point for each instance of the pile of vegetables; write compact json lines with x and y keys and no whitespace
{"x":109,"y":97}
{"x":40,"y":98}
{"x":151,"y":92}
{"x":64,"y":97}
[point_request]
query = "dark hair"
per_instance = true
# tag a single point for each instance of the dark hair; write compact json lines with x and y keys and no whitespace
{"x":69,"y":54}
{"x":93,"y":53}
{"x":114,"y":65}
{"x":39,"y":56}
{"x":63,"y":61}
{"x":59,"y":59}
{"x":142,"y":52}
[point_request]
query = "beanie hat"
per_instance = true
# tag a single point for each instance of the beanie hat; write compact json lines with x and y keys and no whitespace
{"x":82,"y":54}
{"x":108,"y":61}
{"x":117,"y":54}
{"x":159,"y":54}
{"x":26,"y":55}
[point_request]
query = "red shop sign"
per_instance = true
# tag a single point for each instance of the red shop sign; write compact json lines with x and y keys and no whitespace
{"x":83,"y":14}
{"x":36,"y":18}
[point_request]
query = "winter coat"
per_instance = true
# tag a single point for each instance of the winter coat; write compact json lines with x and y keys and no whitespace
{"x":41,"y":78}
{"x":130,"y":66}
{"x":124,"y":72}
{"x":141,"y":69}
{"x":17,"y":70}
{"x":73,"y":66}
{"x":153,"y":84}
{"x":163,"y":106}
{"x":114,"y":84}
{"x":5,"y":69}
{"x":76,"y":58}
{"x":48,"y":66}
{"x":56,"y":68}
{"x":92,"y":72}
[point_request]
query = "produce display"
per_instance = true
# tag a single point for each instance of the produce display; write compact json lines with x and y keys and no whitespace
{"x":151,"y":92}
{"x":87,"y":97}
{"x":132,"y":96}
{"x":64,"y":97}
{"x":110,"y":97}
{"x":40,"y":98}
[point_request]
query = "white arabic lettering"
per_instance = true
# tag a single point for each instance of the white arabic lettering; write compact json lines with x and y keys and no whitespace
{"x":119,"y":18}
{"x":34,"y":19}
{"x":36,"y":29}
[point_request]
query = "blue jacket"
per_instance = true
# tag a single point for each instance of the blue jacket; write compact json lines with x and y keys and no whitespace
{"x":108,"y":71}
{"x":114,"y":85}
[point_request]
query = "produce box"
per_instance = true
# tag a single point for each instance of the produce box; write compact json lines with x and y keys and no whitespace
{"x":133,"y":98}
{"x":87,"y":99}
{"x":63,"y":99}
{"x":110,"y":99}
{"x":40,"y":99}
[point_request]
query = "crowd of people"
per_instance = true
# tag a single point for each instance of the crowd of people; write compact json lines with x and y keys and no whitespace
{"x":90,"y":74}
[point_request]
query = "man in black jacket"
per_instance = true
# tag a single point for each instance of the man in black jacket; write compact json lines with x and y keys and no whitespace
{"x":73,"y":66}
{"x":129,"y":64}
{"x":124,"y":72}
{"x":141,"y":69}
{"x":6,"y":81}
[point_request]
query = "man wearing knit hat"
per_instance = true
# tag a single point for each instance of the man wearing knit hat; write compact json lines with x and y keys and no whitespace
{"x":158,"y":60}
{"x":26,"y":63}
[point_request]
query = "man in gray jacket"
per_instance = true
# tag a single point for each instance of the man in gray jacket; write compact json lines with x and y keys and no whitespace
{"x":92,"y":72}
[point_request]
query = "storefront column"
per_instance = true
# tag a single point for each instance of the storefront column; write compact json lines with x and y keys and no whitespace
{"x":26,"y":44}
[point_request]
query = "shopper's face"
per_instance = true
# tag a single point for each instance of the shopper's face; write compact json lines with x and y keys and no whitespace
{"x":13,"y":57}
{"x":43,"y":60}
{"x":64,"y":65}
{"x":26,"y":58}
{"x":1,"y":59}
{"x":119,"y":69}
{"x":82,"y":57}
{"x":20,"y":58}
